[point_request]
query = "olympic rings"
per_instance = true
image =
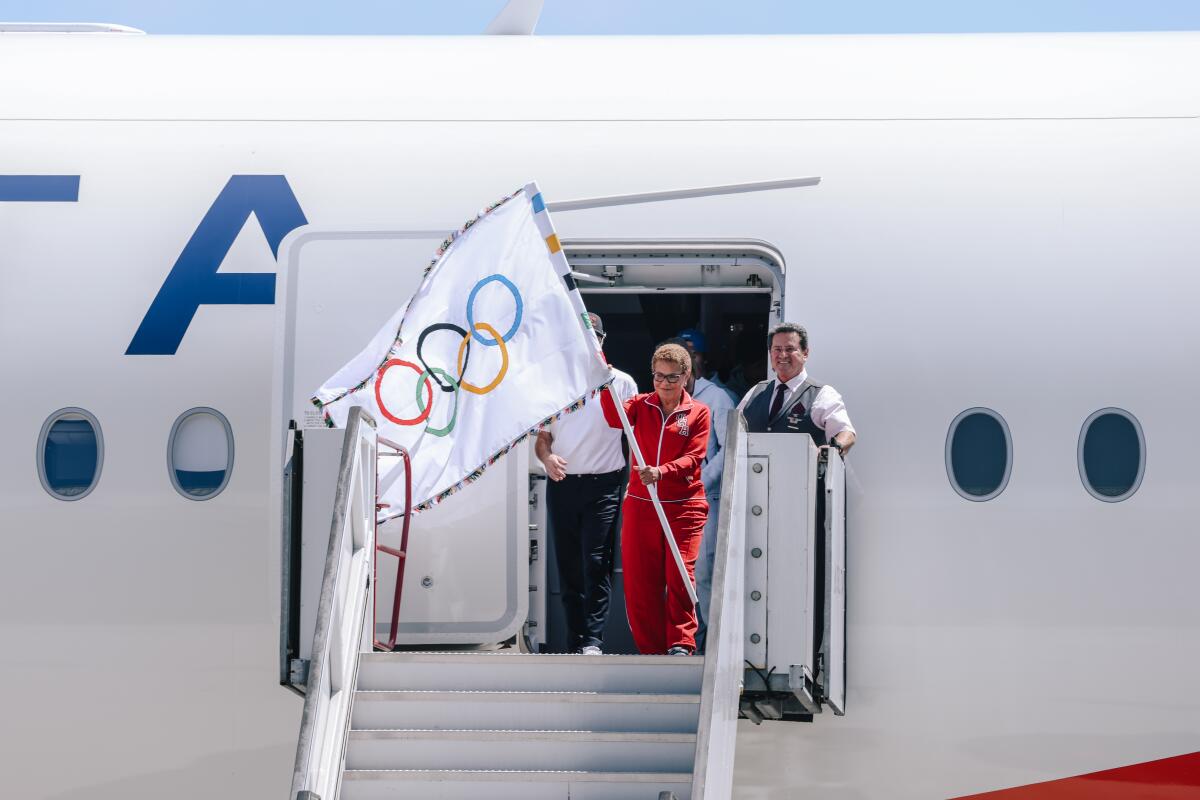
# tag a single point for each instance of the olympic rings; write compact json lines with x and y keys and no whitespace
{"x":516,"y":323}
{"x":440,"y":326}
{"x":436,"y":375}
{"x":424,"y":415}
{"x":466,"y":346}
{"x":424,"y":381}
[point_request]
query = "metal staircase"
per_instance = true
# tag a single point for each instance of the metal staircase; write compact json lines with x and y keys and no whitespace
{"x":503,"y":724}
{"x":513,"y":725}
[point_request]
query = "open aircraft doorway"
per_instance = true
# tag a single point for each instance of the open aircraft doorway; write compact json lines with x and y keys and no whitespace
{"x":470,"y":604}
{"x":648,"y":292}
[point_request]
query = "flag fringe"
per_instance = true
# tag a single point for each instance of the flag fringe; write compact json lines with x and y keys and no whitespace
{"x":476,"y":473}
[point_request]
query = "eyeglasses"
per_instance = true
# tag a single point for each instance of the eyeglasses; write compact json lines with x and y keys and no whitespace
{"x":670,"y":377}
{"x":785,"y":351}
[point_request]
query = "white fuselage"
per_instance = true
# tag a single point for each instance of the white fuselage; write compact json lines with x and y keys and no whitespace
{"x":1003,"y":221}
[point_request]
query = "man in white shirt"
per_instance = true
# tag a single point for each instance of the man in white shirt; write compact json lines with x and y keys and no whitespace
{"x":585,"y":462}
{"x":719,"y":403}
{"x":792,"y":403}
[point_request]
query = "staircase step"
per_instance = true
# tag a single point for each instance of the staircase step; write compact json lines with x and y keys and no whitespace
{"x":512,"y":785}
{"x":471,"y":710}
{"x":510,"y":671}
{"x":521,"y":750}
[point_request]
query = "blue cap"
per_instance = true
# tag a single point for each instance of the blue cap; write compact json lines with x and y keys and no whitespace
{"x":695,"y":338}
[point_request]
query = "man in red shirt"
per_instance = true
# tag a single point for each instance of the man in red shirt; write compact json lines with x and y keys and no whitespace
{"x":672,"y":431}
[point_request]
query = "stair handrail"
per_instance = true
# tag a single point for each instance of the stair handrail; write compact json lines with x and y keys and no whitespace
{"x":347,"y":593}
{"x":712,"y":772}
{"x":397,"y":451}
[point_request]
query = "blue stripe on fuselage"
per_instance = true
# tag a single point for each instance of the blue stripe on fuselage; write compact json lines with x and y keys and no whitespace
{"x":39,"y":188}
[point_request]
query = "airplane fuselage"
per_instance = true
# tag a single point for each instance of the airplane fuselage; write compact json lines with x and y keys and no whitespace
{"x":1005,"y":222}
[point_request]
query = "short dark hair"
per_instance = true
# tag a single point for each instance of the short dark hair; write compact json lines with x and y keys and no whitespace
{"x":789,"y":327}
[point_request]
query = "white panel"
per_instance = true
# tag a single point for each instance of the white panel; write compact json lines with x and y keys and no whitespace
{"x":322,"y":456}
{"x":563,"y":711}
{"x":466,"y":577}
{"x":757,"y":506}
{"x":330,"y":317}
{"x":507,"y":670}
{"x":791,"y":540}
{"x":835,"y":584}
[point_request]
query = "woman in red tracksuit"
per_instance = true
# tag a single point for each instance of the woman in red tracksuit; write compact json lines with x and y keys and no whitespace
{"x":672,"y":431}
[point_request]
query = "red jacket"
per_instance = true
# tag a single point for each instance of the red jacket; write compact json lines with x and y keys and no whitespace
{"x":676,"y":443}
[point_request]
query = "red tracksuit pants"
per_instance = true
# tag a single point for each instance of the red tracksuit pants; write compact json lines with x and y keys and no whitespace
{"x":660,"y":613}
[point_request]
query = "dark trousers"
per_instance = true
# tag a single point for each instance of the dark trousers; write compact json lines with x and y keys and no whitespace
{"x":583,"y":512}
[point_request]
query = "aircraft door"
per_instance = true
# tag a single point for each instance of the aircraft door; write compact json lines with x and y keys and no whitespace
{"x":467,"y":572}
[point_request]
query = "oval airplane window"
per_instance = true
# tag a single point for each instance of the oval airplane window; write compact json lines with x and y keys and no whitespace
{"x":200,"y":453}
{"x":978,"y":454}
{"x":1112,"y":454}
{"x":70,"y":454}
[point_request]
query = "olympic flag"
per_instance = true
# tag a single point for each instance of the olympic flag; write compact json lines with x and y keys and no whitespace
{"x":494,"y":343}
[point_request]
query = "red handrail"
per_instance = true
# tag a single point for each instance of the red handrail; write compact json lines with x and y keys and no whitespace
{"x":402,"y":553}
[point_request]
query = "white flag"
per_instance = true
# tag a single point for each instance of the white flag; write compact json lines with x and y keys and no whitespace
{"x":494,"y":343}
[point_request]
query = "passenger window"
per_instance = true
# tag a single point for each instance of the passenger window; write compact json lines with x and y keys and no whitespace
{"x":978,"y":454}
{"x":200,"y":453}
{"x":1112,"y":454}
{"x":70,"y":454}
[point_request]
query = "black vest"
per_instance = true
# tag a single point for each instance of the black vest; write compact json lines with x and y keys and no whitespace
{"x":794,"y":417}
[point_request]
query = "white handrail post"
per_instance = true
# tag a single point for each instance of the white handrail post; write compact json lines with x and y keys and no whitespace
{"x":662,"y":515}
{"x":343,"y":614}
{"x":716,"y":736}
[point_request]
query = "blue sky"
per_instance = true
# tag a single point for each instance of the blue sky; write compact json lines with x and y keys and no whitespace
{"x":619,"y":16}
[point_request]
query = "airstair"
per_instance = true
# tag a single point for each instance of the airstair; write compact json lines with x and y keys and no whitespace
{"x":522,"y":725}
{"x":500,"y":723}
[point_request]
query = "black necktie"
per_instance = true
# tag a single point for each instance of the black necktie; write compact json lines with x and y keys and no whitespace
{"x":777,"y":403}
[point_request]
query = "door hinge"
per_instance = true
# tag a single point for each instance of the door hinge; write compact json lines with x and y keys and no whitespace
{"x":298,"y":673}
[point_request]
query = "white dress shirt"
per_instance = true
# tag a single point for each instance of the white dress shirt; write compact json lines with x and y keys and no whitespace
{"x":828,"y":410}
{"x":719,"y":405}
{"x":584,"y":438}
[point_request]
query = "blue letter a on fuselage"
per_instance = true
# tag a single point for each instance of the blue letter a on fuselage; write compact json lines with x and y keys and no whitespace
{"x":194,"y":280}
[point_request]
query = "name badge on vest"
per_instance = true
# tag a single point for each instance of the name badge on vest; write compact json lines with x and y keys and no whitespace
{"x":795,"y":417}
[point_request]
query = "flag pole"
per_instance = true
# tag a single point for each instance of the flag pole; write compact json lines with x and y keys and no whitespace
{"x":653,"y":489}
